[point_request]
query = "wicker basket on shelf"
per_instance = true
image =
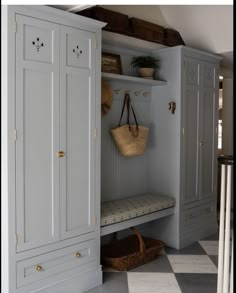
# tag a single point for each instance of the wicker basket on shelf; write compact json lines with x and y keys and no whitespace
{"x":130,"y":252}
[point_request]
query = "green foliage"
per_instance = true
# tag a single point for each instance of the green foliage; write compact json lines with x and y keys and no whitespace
{"x":145,"y":62}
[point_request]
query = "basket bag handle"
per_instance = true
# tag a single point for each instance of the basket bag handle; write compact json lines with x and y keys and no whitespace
{"x":142,"y":246}
{"x":127,"y":102}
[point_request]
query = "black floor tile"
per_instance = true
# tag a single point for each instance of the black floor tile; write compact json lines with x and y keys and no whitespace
{"x":194,"y":249}
{"x":161,"y":264}
{"x":112,"y":283}
{"x":214,"y":258}
{"x":213,"y":237}
{"x":197,"y":283}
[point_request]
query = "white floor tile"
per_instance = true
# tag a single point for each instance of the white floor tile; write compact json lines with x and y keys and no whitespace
{"x":211,"y":247}
{"x":201,"y":264}
{"x":152,"y":283}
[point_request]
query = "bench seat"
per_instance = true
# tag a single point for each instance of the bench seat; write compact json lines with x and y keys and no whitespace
{"x":121,"y":214}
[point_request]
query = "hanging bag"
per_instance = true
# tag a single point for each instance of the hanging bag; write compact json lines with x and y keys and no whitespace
{"x":131,"y":140}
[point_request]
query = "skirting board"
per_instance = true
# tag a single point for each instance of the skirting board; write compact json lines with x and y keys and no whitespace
{"x":136,"y":221}
{"x":198,"y":234}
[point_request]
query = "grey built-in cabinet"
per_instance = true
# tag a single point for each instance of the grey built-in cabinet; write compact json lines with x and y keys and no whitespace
{"x":55,"y":146}
{"x":54,"y":72}
{"x":52,"y":118}
{"x":185,"y":164}
{"x":200,"y":104}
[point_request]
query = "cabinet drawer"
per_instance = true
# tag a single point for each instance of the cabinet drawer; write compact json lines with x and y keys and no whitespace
{"x":46,"y":265}
{"x":199,"y":214}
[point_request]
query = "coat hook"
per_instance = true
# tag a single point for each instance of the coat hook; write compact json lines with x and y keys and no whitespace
{"x":127,"y":91}
{"x":117,"y":91}
{"x":145,"y":94}
{"x":172,"y":107}
{"x":136,"y":93}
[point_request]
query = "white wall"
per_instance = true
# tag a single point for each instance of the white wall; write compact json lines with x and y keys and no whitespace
{"x":227,"y":117}
{"x":226,"y":72}
{"x":129,"y":42}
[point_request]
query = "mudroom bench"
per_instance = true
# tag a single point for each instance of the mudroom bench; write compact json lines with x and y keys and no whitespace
{"x":124,"y":213}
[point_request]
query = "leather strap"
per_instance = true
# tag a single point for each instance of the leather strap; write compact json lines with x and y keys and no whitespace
{"x":129,"y":105}
{"x":127,"y":102}
{"x":122,"y":111}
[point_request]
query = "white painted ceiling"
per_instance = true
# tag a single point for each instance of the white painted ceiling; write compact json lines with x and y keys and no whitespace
{"x":206,"y":27}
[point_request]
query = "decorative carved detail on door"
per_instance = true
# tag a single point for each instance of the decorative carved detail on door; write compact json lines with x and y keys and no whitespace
{"x":77,"y":51}
{"x":37,"y":44}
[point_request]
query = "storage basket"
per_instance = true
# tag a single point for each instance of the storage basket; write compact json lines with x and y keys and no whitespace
{"x":130,"y":252}
{"x":146,"y":30}
{"x":116,"y":22}
{"x":172,"y":38}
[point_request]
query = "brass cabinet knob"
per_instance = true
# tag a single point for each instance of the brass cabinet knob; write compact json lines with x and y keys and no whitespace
{"x":78,"y":254}
{"x":39,"y":268}
{"x":60,"y":154}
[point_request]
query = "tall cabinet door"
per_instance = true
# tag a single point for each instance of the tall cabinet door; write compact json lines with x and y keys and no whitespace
{"x":37,"y":125}
{"x":191,"y":125}
{"x":77,"y":136}
{"x":208,"y":129}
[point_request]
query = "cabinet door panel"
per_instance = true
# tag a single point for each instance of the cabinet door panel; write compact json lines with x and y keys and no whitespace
{"x":191,"y":145}
{"x":209,"y":75}
{"x":208,"y":124}
{"x":37,"y":124}
{"x":191,"y":122}
{"x":77,"y":193}
{"x":78,"y":50}
{"x":38,"y":43}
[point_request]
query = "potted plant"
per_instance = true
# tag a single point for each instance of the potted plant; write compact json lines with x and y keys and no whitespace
{"x":146,"y":65}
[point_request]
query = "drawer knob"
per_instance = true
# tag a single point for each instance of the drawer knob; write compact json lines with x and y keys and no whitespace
{"x":39,"y":268}
{"x":60,"y":154}
{"x":78,"y":254}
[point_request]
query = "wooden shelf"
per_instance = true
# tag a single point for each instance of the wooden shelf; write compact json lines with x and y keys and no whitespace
{"x":133,"y":79}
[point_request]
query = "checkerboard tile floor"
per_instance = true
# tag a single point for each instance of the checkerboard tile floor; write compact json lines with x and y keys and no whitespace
{"x":191,"y":269}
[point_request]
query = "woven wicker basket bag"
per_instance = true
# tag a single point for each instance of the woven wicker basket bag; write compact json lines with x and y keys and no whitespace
{"x":131,"y":140}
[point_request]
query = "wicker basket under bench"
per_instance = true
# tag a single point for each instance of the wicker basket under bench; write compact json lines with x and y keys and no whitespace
{"x":121,"y":214}
{"x":134,"y":250}
{"x":130,"y":252}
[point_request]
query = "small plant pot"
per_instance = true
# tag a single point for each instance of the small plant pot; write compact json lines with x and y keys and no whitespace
{"x":146,"y":72}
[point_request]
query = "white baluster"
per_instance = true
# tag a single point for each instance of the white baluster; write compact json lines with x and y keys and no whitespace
{"x":227,"y":231}
{"x":232,"y":266}
{"x":221,"y":232}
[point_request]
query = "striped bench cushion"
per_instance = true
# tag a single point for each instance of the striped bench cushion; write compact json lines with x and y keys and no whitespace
{"x":124,"y":209}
